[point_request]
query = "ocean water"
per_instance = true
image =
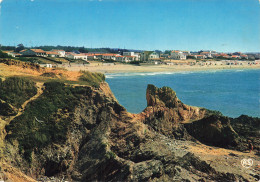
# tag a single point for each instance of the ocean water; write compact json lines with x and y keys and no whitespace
{"x":232,"y":92}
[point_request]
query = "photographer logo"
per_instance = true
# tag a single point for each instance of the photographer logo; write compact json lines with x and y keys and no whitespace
{"x":247,"y":163}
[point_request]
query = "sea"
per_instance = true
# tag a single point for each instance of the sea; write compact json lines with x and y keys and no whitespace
{"x":232,"y":92}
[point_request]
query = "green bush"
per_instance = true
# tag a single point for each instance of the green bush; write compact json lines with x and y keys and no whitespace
{"x":46,"y":120}
{"x":16,"y":90}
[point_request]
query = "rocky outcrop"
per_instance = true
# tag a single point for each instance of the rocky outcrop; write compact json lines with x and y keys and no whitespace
{"x":165,"y":113}
{"x":214,"y":130}
{"x":248,"y":128}
{"x":165,"y":98}
{"x":80,"y":133}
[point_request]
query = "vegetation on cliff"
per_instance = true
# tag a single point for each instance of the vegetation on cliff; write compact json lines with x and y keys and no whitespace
{"x":16,"y":90}
{"x":45,"y":120}
{"x":92,"y":79}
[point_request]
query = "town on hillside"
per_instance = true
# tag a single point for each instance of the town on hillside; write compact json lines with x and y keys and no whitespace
{"x":168,"y":57}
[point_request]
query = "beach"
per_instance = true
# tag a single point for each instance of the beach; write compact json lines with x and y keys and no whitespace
{"x":127,"y":68}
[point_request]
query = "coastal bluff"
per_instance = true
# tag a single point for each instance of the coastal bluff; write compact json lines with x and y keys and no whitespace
{"x":55,"y":130}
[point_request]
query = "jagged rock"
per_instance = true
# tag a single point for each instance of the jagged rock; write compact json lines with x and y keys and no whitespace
{"x":214,"y":130}
{"x":248,"y":128}
{"x":165,"y":112}
{"x":147,"y":170}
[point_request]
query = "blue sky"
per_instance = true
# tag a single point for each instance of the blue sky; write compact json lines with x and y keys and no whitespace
{"x":222,"y":25}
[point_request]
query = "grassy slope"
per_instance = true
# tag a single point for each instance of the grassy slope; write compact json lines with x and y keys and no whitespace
{"x":46,"y":119}
{"x":16,"y":90}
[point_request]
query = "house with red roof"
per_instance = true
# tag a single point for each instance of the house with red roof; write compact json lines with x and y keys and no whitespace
{"x":109,"y":56}
{"x":198,"y":56}
{"x":207,"y":54}
{"x":12,"y":53}
{"x":34,"y":52}
{"x":93,"y":56}
{"x":244,"y":56}
{"x":235,"y":56}
{"x":221,"y":55}
{"x":52,"y":54}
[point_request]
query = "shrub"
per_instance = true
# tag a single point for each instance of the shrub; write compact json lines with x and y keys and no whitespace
{"x":16,"y":90}
{"x":46,"y":120}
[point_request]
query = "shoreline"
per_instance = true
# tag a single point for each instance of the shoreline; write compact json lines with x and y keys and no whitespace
{"x":126,"y":68}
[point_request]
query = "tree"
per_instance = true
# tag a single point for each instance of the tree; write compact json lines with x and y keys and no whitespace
{"x":19,"y":48}
{"x":167,"y":52}
{"x":82,"y":50}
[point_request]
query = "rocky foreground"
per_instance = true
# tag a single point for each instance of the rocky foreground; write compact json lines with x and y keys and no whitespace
{"x":54,"y":131}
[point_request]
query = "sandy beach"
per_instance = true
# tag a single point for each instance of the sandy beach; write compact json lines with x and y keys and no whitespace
{"x":127,"y":68}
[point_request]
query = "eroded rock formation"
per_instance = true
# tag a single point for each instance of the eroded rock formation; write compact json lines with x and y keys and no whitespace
{"x":80,"y":133}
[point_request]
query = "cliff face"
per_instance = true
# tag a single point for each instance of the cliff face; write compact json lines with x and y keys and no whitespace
{"x":82,"y":133}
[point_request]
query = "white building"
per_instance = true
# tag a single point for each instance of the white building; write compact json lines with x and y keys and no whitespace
{"x":60,"y":52}
{"x":128,"y":53}
{"x":206,"y":53}
{"x":13,"y":54}
{"x":200,"y":56}
{"x":48,"y":65}
{"x":132,"y":54}
{"x":126,"y":58}
{"x":177,"y":55}
{"x":122,"y":59}
{"x":109,"y":56}
{"x":93,"y":56}
{"x":154,"y":55}
{"x":149,"y":55}
{"x":77,"y":56}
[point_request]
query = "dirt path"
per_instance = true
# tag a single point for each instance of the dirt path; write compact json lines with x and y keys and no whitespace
{"x":11,"y":173}
{"x":39,"y":86}
{"x":6,"y":120}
